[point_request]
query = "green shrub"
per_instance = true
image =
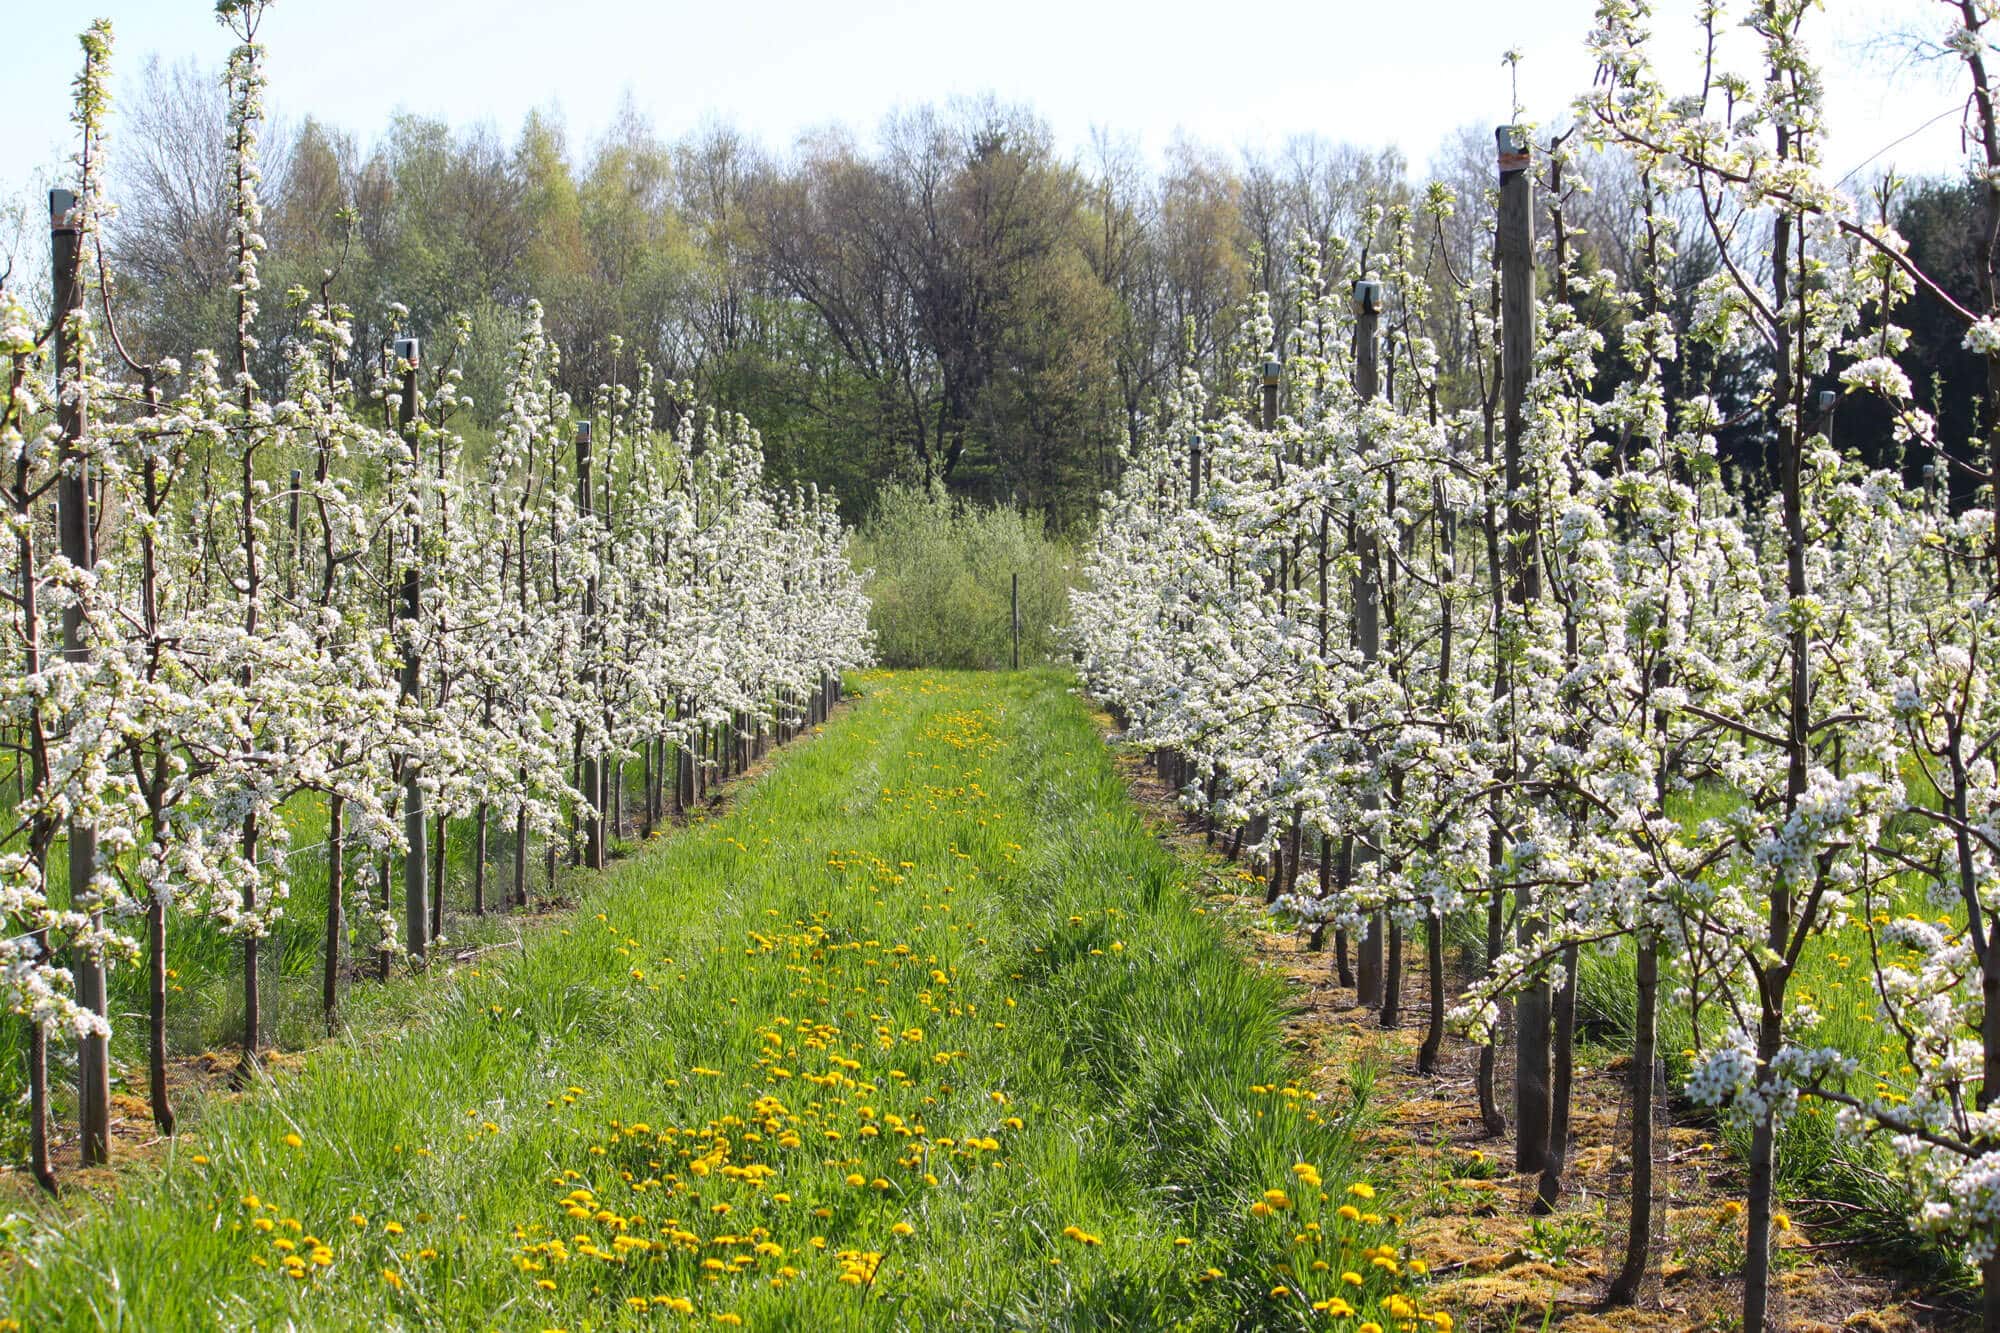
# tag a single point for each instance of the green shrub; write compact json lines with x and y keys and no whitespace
{"x":942,"y":573}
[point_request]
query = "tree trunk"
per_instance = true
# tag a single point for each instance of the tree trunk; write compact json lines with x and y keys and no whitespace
{"x":1427,"y":1055}
{"x":1368,"y":964}
{"x":1392,"y":979}
{"x":1757,"y":1245}
{"x":1550,"y":1187}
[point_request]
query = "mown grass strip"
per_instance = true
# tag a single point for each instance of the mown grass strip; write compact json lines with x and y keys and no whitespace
{"x":923,"y":1031}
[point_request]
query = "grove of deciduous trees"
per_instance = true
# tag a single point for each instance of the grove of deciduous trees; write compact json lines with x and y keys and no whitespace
{"x":953,"y":297}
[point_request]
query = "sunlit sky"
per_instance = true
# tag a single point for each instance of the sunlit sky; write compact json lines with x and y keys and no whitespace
{"x":1373,"y":72}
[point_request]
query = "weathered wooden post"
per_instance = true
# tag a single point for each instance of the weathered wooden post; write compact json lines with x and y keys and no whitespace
{"x":1017,"y":620}
{"x":1515,"y":244}
{"x":593,"y":766}
{"x":1367,"y":599}
{"x":292,"y":515}
{"x":1260,"y":826}
{"x":440,"y":850}
{"x":74,"y":533}
{"x":416,"y":833}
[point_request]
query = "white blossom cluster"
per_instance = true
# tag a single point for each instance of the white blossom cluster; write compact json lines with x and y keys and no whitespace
{"x":244,"y":625}
{"x":1587,"y":691}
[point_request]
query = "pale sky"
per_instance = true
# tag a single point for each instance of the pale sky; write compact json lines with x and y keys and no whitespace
{"x":1372,"y":72}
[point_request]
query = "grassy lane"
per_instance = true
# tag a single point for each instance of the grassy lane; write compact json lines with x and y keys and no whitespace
{"x":923,"y":1032}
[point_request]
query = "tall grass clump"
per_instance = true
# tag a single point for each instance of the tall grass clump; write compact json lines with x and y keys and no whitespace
{"x":943,"y":569}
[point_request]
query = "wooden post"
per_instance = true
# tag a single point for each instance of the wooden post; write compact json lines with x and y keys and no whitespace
{"x":1017,"y":620}
{"x":646,"y":788}
{"x":1260,"y":826}
{"x":521,"y":857}
{"x":416,"y":832}
{"x":593,"y":779}
{"x":1645,"y":1053}
{"x":1366,"y":594}
{"x":438,"y":855}
{"x":74,"y":532}
{"x":336,"y":910}
{"x":480,"y":820}
{"x":1515,"y":244}
{"x":292,"y":570}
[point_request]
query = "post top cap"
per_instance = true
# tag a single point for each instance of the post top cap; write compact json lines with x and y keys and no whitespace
{"x":1513,"y":145}
{"x":63,"y":213}
{"x":1367,"y":296}
{"x":408,"y":349}
{"x":583,"y":429}
{"x":1274,"y":370}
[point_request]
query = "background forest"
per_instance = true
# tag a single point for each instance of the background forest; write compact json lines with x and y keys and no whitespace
{"x":952,"y":299}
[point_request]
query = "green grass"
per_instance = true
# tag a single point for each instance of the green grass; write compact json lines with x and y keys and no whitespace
{"x":205,"y":962}
{"x":934,"y":949}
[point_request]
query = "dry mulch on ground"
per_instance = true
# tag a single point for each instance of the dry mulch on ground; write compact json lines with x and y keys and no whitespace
{"x":1497,"y":1267}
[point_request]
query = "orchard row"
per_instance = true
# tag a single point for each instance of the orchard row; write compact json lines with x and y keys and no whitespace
{"x":1511,"y":658}
{"x":227,"y":601}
